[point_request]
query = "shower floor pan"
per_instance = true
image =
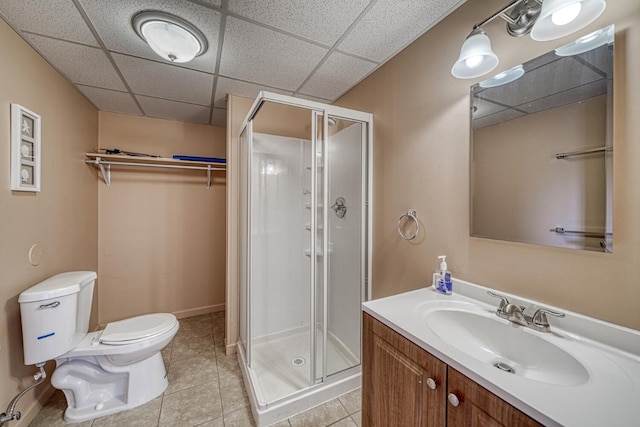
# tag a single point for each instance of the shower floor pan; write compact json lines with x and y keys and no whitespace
{"x":278,"y":382}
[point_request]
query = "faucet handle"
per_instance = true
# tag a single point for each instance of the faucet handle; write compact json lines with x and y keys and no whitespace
{"x":503,"y":300}
{"x":540,"y":317}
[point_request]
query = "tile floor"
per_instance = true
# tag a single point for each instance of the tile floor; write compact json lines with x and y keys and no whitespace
{"x":205,"y":389}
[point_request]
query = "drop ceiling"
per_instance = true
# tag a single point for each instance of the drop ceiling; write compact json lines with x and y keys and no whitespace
{"x":313,"y":49}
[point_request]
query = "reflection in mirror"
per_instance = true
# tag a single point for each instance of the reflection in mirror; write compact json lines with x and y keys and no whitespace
{"x":542,"y":149}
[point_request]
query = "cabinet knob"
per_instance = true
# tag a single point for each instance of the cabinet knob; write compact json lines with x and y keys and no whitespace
{"x":431,"y":383}
{"x":453,"y":399}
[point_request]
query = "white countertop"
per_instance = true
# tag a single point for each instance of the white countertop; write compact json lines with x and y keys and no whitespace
{"x":610,"y":354}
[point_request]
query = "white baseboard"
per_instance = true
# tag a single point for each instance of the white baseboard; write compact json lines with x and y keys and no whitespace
{"x":199,"y":311}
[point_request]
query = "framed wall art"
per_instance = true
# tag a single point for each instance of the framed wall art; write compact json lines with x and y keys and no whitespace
{"x":25,"y":149}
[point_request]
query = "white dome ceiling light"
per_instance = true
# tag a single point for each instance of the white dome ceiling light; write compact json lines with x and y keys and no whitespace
{"x":171,"y":37}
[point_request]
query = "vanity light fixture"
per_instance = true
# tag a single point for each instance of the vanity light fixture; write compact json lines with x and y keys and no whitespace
{"x":545,"y":20}
{"x":559,"y":18}
{"x":170,"y":36}
{"x":476,"y":57}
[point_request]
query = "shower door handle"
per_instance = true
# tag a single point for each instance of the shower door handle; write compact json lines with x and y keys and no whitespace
{"x":340,"y":207}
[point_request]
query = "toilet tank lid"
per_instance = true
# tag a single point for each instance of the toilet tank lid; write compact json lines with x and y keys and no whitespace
{"x":57,"y":286}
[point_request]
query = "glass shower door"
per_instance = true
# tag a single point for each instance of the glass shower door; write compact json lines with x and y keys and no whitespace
{"x":345,"y":230}
{"x":280,"y":269}
{"x":243,"y":237}
{"x":340,"y":279}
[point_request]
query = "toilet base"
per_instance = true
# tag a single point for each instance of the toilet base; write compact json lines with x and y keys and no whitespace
{"x":94,"y":387}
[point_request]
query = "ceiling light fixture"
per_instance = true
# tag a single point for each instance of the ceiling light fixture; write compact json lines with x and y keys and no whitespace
{"x":170,"y":36}
{"x":546,"y":20}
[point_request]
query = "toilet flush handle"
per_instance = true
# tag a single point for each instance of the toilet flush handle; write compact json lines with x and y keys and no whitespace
{"x":51,"y":305}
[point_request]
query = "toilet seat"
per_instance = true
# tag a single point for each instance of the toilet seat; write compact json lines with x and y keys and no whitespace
{"x":137,"y":329}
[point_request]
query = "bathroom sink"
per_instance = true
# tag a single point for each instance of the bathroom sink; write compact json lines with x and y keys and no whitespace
{"x":510,"y":348}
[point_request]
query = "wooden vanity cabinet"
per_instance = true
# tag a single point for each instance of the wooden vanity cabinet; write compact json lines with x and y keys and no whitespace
{"x":479,"y":407}
{"x":403,"y":385}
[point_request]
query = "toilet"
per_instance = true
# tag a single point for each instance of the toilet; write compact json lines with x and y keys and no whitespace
{"x":101,"y":372}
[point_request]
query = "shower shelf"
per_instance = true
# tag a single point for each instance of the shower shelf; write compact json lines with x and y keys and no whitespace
{"x":308,"y":206}
{"x":102,"y":160}
{"x":318,"y":253}
{"x":308,"y":227}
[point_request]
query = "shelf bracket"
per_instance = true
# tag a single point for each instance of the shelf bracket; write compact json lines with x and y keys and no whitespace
{"x":106,"y":175}
{"x":208,"y":177}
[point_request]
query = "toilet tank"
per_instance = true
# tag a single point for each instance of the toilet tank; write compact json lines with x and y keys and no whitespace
{"x":55,"y":315}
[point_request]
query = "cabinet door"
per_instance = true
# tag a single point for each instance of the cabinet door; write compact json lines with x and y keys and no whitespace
{"x":479,"y":407}
{"x":397,"y":380}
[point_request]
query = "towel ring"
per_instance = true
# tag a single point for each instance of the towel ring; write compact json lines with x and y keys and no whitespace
{"x":411,"y":213}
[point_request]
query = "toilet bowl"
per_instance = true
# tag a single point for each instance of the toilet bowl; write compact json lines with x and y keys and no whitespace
{"x":103,"y":372}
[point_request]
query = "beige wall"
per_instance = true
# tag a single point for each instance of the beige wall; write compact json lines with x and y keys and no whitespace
{"x":421,"y":161}
{"x":161,"y":231}
{"x":62,"y":218}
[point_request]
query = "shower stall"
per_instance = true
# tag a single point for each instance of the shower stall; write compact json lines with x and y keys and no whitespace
{"x":304,"y":252}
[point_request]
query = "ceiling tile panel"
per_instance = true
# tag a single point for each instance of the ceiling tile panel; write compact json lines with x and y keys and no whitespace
{"x":110,"y":100}
{"x":79,"y":63}
{"x":165,"y":80}
{"x":58,"y":19}
{"x":336,"y":75}
{"x":112,"y":20}
{"x":391,"y":25}
{"x":257,"y":54}
{"x":235,"y":87}
{"x":172,"y":110}
{"x":303,"y":17}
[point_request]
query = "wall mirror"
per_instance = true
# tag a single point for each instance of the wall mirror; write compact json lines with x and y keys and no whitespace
{"x":541,"y":164}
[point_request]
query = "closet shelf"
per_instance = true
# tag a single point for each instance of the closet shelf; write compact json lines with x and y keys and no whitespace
{"x":108,"y":160}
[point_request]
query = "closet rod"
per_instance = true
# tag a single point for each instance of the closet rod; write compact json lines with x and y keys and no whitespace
{"x":562,"y":230}
{"x":581,"y":152}
{"x":106,"y":174}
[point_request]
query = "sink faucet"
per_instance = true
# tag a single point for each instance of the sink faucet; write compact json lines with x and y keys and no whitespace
{"x":516,"y":314}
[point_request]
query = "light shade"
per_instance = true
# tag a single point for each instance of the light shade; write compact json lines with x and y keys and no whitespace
{"x":504,"y":77}
{"x":589,"y":42}
{"x":171,"y":37}
{"x":476,"y":57}
{"x":559,"y":18}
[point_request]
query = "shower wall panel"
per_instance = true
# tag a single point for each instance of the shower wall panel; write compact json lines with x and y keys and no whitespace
{"x":279,"y":288}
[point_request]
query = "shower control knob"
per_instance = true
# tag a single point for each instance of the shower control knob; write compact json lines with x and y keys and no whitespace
{"x":431,"y":383}
{"x":453,"y":399}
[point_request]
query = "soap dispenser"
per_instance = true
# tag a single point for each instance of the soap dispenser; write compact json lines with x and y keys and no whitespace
{"x":444,"y":284}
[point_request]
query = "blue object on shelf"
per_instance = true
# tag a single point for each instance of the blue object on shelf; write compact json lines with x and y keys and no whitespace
{"x":200,"y":159}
